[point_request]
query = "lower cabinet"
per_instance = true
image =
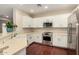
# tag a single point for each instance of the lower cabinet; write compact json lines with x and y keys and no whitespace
{"x":29,"y":38}
{"x":60,"y":40}
{"x":38,"y":38}
{"x":34,"y":38}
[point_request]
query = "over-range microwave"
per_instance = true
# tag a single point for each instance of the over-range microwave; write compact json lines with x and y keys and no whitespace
{"x":47,"y":24}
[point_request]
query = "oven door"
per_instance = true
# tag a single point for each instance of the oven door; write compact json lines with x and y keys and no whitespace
{"x":46,"y":38}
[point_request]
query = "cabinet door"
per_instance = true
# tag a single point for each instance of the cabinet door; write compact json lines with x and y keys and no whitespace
{"x":40,"y":23}
{"x":29,"y":38}
{"x":38,"y":38}
{"x":27,"y":21}
{"x":37,"y":23}
{"x":34,"y":37}
{"x":48,"y":19}
{"x":60,"y":21}
{"x":60,"y":40}
{"x":34,"y":23}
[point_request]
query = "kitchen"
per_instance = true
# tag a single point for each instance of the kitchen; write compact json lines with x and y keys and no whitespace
{"x":37,"y":28}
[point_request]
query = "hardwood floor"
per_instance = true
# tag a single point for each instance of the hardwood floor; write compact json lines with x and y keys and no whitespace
{"x":42,"y":49}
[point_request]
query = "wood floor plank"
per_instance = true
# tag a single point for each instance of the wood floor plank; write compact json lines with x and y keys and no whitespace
{"x":42,"y":49}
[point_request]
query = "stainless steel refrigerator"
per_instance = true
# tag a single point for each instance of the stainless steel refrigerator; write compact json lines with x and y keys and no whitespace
{"x":73,"y":31}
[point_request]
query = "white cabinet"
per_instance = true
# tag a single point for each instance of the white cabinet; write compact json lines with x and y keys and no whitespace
{"x":37,"y":37}
{"x":60,"y":40}
{"x":34,"y":37}
{"x":34,"y":23}
{"x":27,"y":21}
{"x":60,"y":21}
{"x":30,"y":38}
{"x":37,"y":23}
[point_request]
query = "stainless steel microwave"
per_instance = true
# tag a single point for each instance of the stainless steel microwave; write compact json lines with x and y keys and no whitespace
{"x":47,"y":24}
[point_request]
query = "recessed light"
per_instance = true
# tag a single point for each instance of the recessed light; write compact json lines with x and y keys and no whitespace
{"x":46,"y":7}
{"x":32,"y":10}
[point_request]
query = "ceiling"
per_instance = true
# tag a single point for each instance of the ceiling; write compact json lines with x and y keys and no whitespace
{"x":33,"y":9}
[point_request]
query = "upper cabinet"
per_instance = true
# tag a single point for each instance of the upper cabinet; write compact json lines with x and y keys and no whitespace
{"x":60,"y":23}
{"x":37,"y":23}
{"x":60,"y":20}
{"x":57,"y":21}
{"x":27,"y":22}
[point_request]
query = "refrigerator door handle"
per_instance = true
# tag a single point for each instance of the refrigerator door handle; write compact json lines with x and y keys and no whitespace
{"x":69,"y":33}
{"x":77,"y":39}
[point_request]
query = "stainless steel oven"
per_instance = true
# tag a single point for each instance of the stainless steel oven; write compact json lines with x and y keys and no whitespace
{"x":47,"y":38}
